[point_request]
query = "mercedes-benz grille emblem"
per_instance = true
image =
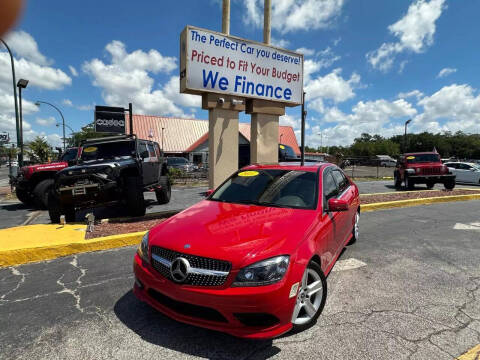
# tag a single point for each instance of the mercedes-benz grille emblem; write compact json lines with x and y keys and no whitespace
{"x":179,"y":269}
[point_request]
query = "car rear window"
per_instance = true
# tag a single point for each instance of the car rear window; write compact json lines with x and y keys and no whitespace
{"x":270,"y":187}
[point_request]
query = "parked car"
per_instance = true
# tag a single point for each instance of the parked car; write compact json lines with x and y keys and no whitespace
{"x":264,"y":242}
{"x":285,"y":154}
{"x":34,"y":182}
{"x":180,"y":163}
{"x":422,"y":168}
{"x":12,"y":164}
{"x":466,"y":173}
{"x":117,"y":168}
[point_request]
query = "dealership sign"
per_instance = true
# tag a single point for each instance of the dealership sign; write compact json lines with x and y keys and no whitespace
{"x":4,"y":137}
{"x":219,"y":63}
{"x":109,"y":119}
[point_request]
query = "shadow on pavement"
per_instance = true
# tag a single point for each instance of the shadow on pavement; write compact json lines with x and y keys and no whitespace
{"x":17,"y":206}
{"x":156,"y":328}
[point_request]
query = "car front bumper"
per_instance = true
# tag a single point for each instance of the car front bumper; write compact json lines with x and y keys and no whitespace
{"x":435,"y":178}
{"x":221,"y":308}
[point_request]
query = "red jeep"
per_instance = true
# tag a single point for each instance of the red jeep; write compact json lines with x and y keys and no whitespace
{"x":422,"y":168}
{"x":34,"y":182}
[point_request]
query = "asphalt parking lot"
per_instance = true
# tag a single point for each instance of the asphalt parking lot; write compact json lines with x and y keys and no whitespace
{"x":414,"y":293}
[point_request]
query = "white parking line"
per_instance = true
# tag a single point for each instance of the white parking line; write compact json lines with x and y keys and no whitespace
{"x":348,"y":264}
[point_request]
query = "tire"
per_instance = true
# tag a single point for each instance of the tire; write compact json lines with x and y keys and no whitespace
{"x":302,"y":319}
{"x":449,"y":185}
{"x":409,"y":185}
{"x":24,"y":196}
{"x":41,"y":191}
{"x":430,"y":185}
{"x":55,"y":209}
{"x":165,"y":192}
{"x":134,"y":196}
{"x":355,"y":230}
{"x":397,"y":181}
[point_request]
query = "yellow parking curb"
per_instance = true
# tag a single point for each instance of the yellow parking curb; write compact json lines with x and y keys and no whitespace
{"x":417,"y":202}
{"x":472,"y":354}
{"x":24,"y":244}
{"x":414,"y":191}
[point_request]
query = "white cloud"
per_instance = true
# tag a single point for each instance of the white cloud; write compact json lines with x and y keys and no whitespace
{"x":306,"y":51}
{"x":7,"y":105}
{"x":127,"y":79}
{"x":332,"y":86}
{"x":24,"y":45}
{"x":46,"y":121}
{"x":414,"y":31}
{"x":445,"y":72}
{"x":73,"y":71}
{"x":85,"y":107}
{"x":282,"y":43}
{"x":293,"y":15}
{"x":67,"y":102}
{"x":414,"y":93}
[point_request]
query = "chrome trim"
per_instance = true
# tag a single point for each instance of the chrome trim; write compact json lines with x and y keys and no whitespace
{"x":192,"y":270}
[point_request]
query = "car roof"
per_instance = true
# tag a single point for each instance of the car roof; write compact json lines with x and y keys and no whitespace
{"x":294,"y":165}
{"x":421,"y":153}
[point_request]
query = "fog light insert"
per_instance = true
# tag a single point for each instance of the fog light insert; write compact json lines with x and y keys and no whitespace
{"x":263,"y":320}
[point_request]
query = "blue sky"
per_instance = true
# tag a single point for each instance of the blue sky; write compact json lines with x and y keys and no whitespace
{"x":369,"y":65}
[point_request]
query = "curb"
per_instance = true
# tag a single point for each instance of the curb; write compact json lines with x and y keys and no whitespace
{"x":472,"y":354}
{"x":23,"y":256}
{"x":416,"y":191}
{"x":417,"y":202}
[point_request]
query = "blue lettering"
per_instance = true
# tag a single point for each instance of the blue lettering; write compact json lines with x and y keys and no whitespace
{"x":287,"y":94}
{"x":238,"y":82}
{"x":209,"y":78}
{"x":278,"y":88}
{"x":223,"y":83}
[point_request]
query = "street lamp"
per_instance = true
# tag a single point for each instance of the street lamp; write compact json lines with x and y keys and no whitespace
{"x":405,"y":136}
{"x":14,"y":97}
{"x":63,"y":119}
{"x":162,"y":141}
{"x":21,"y":84}
{"x":281,"y":138}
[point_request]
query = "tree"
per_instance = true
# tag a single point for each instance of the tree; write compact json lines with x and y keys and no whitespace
{"x":39,"y":150}
{"x":86,"y":132}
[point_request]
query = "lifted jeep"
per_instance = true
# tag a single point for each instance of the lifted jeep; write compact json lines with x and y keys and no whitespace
{"x":110,"y":169}
{"x":422,"y":168}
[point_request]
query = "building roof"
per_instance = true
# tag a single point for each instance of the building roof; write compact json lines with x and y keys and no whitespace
{"x":185,"y":135}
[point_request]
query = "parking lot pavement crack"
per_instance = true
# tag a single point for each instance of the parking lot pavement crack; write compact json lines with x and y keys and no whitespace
{"x":15,"y":272}
{"x":73,"y":291}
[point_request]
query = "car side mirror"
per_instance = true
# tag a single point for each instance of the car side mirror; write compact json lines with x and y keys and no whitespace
{"x":208,"y":192}
{"x":335,"y":205}
{"x":144,"y":154}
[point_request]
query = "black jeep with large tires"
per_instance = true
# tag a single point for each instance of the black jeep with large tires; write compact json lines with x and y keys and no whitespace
{"x":108,"y":170}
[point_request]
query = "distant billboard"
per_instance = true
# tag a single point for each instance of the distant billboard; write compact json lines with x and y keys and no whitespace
{"x":109,"y":120}
{"x":4,"y":138}
{"x":212,"y":62}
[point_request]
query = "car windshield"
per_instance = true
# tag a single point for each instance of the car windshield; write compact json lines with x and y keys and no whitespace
{"x":113,"y":150}
{"x":70,"y":154}
{"x":423,"y":158}
{"x":287,"y":150}
{"x":175,"y":161}
{"x":270,"y":187}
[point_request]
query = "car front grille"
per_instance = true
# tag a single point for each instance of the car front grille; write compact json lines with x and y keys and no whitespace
{"x":203,"y":271}
{"x":431,"y":171}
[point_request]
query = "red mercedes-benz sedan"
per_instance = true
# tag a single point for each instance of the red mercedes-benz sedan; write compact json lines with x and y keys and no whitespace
{"x":251,"y":259}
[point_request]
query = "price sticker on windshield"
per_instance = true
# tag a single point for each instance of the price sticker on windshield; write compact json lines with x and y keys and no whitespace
{"x":282,"y":147}
{"x":90,"y":149}
{"x":410,"y":157}
{"x":248,"y":173}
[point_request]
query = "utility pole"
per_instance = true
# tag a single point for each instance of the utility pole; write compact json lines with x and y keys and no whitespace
{"x":304,"y":115}
{"x":226,"y":17}
{"x":266,"y":21}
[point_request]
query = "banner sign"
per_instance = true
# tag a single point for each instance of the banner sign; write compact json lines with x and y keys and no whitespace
{"x":4,"y":138}
{"x":109,"y":119}
{"x":223,"y":64}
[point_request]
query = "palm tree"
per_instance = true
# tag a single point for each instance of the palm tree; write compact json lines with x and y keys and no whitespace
{"x":39,"y":150}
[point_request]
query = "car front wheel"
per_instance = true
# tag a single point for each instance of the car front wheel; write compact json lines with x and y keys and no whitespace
{"x":311,"y":297}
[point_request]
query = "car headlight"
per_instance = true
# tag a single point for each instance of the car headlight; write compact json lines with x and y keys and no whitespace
{"x":143,"y":248}
{"x":264,"y":272}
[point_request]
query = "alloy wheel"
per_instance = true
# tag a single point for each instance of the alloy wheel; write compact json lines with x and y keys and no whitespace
{"x":309,"y":298}
{"x":356,"y":231}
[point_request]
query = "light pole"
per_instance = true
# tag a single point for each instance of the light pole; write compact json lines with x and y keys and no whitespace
{"x":63,"y":119}
{"x":281,"y":138}
{"x":21,"y":84}
{"x":162,"y":141}
{"x":14,"y":95}
{"x":405,"y":136}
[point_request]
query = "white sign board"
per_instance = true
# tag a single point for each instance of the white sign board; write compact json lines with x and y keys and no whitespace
{"x":215,"y":62}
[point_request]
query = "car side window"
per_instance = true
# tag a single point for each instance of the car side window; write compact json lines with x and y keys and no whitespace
{"x":151,"y":150}
{"x":330,"y":188}
{"x":142,"y":147}
{"x":158,"y":151}
{"x":341,"y":180}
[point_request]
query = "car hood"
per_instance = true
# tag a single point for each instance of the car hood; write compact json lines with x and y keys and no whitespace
{"x":234,"y":232}
{"x":92,"y":166}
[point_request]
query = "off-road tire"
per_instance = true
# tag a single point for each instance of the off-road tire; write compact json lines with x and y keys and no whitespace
{"x":24,"y":196}
{"x":41,"y":191}
{"x":397,"y":180}
{"x":449,"y":185}
{"x":315,"y":267}
{"x":430,"y":185}
{"x":134,"y":196}
{"x":409,"y":185}
{"x":55,"y":209}
{"x":165,"y":191}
